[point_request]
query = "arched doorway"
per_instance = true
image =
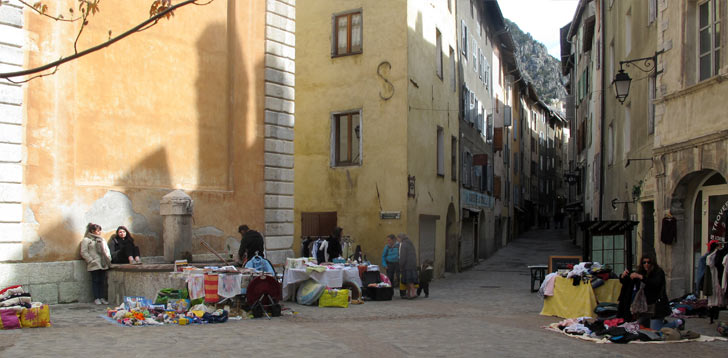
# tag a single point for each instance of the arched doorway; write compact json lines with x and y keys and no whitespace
{"x":695,"y":203}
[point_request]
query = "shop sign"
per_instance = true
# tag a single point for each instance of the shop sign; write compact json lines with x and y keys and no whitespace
{"x":474,"y":199}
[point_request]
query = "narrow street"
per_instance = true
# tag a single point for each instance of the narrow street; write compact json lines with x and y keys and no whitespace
{"x":487,"y":311}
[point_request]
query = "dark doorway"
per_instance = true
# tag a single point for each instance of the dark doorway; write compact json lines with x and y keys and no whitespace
{"x":648,"y":228}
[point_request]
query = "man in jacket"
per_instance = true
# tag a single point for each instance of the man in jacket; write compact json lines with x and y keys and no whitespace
{"x":251,"y":244}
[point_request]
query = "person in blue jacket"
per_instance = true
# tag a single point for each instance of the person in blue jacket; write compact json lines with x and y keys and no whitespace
{"x":390,"y":259}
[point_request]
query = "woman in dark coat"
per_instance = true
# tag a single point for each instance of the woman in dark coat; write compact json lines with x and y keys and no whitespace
{"x":123,"y":250}
{"x":655,"y":291}
{"x":408,"y":264}
{"x":334,"y":245}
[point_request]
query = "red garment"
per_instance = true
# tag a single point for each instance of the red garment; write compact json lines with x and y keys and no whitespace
{"x":613,"y":322}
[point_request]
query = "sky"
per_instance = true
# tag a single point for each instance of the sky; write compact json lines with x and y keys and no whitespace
{"x":541,"y":18}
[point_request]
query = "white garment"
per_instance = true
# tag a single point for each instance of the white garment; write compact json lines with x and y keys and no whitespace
{"x":548,"y":280}
{"x":228,"y":285}
{"x":717,"y":298}
{"x":196,"y":286}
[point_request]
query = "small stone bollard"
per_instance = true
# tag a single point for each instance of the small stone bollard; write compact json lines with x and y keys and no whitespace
{"x":176,"y":208}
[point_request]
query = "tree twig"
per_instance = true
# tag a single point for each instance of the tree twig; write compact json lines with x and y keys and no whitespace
{"x":56,"y":18}
{"x":103,"y":45}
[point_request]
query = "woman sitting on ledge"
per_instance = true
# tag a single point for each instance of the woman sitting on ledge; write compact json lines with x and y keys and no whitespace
{"x":122,"y":247}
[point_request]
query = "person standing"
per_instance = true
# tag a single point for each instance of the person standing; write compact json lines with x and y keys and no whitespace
{"x":98,"y":259}
{"x":123,"y":250}
{"x":251,"y":244}
{"x":408,"y":264}
{"x":390,"y":259}
{"x":334,"y":244}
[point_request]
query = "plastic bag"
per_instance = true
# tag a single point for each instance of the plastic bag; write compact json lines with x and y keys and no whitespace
{"x":639,"y":304}
{"x":309,"y":292}
{"x":335,"y":298}
{"x":36,"y":317}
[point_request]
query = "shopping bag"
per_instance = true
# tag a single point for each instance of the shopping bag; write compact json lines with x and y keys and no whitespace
{"x":639,"y":304}
{"x":9,"y":319}
{"x":36,"y":317}
{"x":335,"y":298}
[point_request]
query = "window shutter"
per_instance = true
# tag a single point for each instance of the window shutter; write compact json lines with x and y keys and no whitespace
{"x":497,"y":187}
{"x":498,"y":139}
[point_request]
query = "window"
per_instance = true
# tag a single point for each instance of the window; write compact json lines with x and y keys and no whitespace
{"x":609,"y":250}
{"x":628,"y":32}
{"x":467,"y":169}
{"x":475,"y":55}
{"x":347,"y":34}
{"x":651,"y":11}
{"x":708,"y":39}
{"x":610,"y":145}
{"x":651,"y":105}
{"x":449,"y":5}
{"x":627,"y":131}
{"x":464,"y":38}
{"x":438,"y":53}
{"x":440,"y":151}
{"x":480,"y":64}
{"x":453,"y":70}
{"x":346,"y":139}
{"x":454,"y":158}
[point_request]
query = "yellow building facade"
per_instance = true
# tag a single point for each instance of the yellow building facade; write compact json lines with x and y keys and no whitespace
{"x":376,"y":137}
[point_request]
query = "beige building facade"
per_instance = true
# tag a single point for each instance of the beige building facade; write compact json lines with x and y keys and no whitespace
{"x":202,"y":102}
{"x":378,"y":124}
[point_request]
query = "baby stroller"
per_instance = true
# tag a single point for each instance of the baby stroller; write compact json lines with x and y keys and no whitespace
{"x":264,"y":291}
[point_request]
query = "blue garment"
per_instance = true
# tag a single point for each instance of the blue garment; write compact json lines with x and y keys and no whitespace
{"x":260,"y":264}
{"x":701,"y":272}
{"x":390,"y":254}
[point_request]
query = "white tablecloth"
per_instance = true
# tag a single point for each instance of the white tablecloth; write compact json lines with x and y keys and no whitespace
{"x":331,"y":278}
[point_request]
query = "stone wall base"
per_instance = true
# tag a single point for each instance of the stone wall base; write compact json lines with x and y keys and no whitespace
{"x":50,"y":282}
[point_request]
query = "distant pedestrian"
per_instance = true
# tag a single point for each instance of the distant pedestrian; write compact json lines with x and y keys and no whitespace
{"x":98,"y":259}
{"x":425,"y":278}
{"x":251,"y":244}
{"x":408,"y":264}
{"x":390,"y":259}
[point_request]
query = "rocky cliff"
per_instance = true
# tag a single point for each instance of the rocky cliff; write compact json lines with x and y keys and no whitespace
{"x":539,"y":68}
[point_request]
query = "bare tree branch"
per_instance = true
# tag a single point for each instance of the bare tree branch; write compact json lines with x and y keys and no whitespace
{"x":111,"y":41}
{"x":56,"y":18}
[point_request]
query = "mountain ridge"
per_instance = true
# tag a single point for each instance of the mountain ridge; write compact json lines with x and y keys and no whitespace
{"x":537,"y":65}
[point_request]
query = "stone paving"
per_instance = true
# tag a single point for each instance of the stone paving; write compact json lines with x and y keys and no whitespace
{"x":487,"y":311}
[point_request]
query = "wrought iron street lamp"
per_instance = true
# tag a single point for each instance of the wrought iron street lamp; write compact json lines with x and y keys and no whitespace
{"x":622,"y":80}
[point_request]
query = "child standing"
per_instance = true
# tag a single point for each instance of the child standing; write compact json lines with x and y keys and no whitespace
{"x":425,"y":273}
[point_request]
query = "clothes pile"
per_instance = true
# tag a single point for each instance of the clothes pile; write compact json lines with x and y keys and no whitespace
{"x":138,"y":311}
{"x":17,"y":310}
{"x":618,"y":331}
{"x":592,"y":272}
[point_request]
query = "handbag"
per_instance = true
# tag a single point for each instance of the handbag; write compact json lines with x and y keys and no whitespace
{"x":335,"y":298}
{"x":639,"y":304}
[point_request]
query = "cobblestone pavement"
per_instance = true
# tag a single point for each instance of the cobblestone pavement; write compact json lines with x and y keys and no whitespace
{"x":487,"y":311}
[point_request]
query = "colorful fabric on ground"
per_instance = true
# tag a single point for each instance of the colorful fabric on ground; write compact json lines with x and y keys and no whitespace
{"x":36,"y":317}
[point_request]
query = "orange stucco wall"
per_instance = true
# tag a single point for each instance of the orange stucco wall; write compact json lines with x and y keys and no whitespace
{"x":179,"y":105}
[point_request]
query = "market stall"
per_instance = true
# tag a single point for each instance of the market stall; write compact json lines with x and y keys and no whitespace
{"x":334,"y":275}
{"x":572,"y":301}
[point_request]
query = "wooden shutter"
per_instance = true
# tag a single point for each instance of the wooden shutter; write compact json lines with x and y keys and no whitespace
{"x":318,"y":224}
{"x":498,"y":139}
{"x":497,"y":187}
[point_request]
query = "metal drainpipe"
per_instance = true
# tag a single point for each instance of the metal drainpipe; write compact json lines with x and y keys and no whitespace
{"x":601,"y":134}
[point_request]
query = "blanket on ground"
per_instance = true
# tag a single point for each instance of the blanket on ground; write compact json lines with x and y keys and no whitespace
{"x":555,"y":328}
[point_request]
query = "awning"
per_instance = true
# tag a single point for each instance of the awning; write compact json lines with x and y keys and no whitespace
{"x":472,"y":209}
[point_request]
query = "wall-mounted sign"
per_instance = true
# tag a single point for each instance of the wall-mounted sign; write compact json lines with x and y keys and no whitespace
{"x":475,"y":199}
